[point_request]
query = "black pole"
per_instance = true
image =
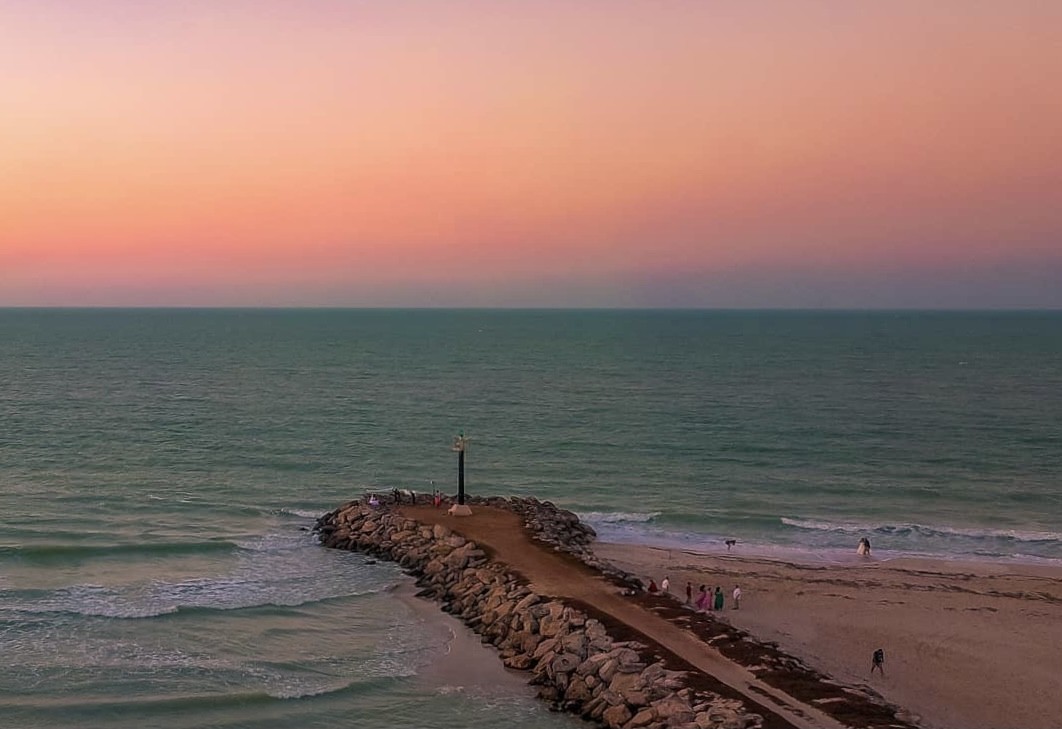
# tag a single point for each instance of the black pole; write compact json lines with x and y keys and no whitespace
{"x":461,"y":475}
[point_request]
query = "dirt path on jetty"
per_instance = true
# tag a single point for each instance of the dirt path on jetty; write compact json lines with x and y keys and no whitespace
{"x":551,"y":573}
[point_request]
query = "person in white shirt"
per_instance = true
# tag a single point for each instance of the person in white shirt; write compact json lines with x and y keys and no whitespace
{"x":737,"y":597}
{"x":666,"y":584}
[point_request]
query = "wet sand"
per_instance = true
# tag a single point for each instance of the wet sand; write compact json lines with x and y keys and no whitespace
{"x":466,"y":663}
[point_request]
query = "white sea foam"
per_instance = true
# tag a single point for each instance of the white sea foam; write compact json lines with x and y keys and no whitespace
{"x":614,"y":517}
{"x":301,"y":690}
{"x":922,"y":530}
{"x":284,"y":570}
{"x":304,"y":513}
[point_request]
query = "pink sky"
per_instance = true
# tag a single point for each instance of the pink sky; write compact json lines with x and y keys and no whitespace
{"x":343,"y":153}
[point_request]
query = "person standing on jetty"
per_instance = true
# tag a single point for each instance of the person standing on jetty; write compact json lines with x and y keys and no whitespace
{"x":719,"y":598}
{"x":689,"y":592}
{"x":878,"y":661}
{"x":665,"y":584}
{"x":737,"y":597}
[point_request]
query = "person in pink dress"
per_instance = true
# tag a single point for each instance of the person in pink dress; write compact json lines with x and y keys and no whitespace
{"x":704,"y":600}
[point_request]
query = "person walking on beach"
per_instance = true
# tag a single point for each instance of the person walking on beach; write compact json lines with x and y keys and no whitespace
{"x":719,"y":598}
{"x":737,"y":597}
{"x":704,"y":602}
{"x":878,"y":661}
{"x":689,"y":592}
{"x":665,"y":585}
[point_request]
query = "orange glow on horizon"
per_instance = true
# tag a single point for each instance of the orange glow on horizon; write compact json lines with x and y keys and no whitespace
{"x":221,"y":148}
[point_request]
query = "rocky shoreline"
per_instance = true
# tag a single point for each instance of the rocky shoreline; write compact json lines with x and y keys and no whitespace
{"x":582,"y":661}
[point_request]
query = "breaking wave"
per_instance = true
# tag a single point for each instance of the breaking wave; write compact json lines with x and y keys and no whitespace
{"x":922,"y":530}
{"x":616,"y":517}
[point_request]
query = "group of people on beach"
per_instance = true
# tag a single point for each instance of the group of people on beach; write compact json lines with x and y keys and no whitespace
{"x":708,"y":599}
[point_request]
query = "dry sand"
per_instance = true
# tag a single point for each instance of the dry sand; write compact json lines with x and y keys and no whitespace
{"x":966,"y":645}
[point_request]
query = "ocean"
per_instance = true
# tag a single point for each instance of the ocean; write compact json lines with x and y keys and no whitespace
{"x":160,"y":470}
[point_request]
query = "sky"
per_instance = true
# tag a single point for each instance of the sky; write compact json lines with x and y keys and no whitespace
{"x":599,"y":153}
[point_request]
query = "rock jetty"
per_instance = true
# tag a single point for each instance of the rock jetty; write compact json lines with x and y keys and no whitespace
{"x":576,"y":664}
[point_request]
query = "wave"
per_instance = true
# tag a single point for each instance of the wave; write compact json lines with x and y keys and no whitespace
{"x":923,"y":530}
{"x":60,"y":551}
{"x":303,"y":513}
{"x":277,"y":542}
{"x":614,"y":517}
{"x":99,"y":602}
{"x":289,"y":693}
{"x":198,"y":702}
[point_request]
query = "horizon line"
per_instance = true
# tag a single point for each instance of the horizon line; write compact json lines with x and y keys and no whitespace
{"x":315,"y":307}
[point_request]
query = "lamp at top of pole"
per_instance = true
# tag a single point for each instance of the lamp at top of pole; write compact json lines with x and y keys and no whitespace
{"x":460,"y":442}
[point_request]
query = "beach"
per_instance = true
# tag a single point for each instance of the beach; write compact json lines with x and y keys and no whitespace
{"x":966,"y":644}
{"x":465,"y":663}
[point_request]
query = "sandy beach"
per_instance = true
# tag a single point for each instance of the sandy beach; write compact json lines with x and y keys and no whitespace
{"x":966,"y":645}
{"x":466,"y":663}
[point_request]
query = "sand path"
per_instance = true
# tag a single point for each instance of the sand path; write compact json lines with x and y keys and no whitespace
{"x":553,"y":574}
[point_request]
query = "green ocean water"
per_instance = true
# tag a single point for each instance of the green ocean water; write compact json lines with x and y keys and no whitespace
{"x":159,"y":469}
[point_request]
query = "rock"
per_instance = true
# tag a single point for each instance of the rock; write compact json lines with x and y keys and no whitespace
{"x":643,"y":718}
{"x":674,"y":710}
{"x":578,"y":690}
{"x":520,"y":661}
{"x":616,"y":716}
{"x":564,"y":663}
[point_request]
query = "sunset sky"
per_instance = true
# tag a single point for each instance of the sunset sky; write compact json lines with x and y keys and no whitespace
{"x":578,"y":153}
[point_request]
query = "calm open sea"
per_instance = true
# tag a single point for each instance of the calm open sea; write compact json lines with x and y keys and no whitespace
{"x":158,"y":470}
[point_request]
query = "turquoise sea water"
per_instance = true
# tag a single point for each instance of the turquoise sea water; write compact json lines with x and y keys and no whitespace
{"x":158,"y":470}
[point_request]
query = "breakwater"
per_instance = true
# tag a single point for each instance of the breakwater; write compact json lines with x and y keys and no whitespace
{"x":577,"y":665}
